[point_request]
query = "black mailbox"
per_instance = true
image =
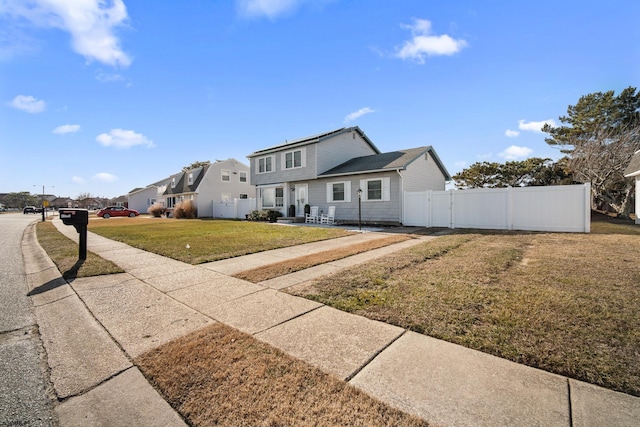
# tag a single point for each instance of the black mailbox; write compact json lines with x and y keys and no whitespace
{"x":74,"y":216}
{"x":79,"y":218}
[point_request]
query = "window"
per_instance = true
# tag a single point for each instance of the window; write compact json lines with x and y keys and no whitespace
{"x":272,"y":197}
{"x":374,"y":189}
{"x":265,"y":164}
{"x":173,"y":182}
{"x":293,"y":159}
{"x":225,"y":175}
{"x":190,"y":178}
{"x":243,"y":177}
{"x":378,"y":189}
{"x":244,"y":196}
{"x":226,"y":197}
{"x":339,"y":191}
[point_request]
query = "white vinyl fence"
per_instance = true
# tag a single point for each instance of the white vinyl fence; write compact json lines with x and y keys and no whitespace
{"x":236,"y":208}
{"x":554,"y":208}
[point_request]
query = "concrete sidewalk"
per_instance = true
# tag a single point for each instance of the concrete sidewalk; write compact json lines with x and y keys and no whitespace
{"x":92,"y":329}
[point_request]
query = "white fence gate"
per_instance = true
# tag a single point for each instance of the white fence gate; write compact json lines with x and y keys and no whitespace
{"x":553,"y":208}
{"x":233,"y":209}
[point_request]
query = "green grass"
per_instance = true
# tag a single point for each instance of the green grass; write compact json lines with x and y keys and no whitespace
{"x":565,"y":303}
{"x":64,"y":253}
{"x":207,"y":240}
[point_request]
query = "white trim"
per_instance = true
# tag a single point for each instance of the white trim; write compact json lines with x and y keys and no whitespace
{"x":303,"y":158}
{"x":385,"y":189}
{"x":273,"y":164}
{"x":347,"y":191}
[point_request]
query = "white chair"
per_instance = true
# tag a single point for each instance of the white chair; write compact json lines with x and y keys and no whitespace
{"x":312,"y":217}
{"x":329,"y":217}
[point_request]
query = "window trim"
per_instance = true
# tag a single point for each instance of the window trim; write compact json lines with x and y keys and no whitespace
{"x":264,"y":158}
{"x":303,"y":160}
{"x":385,"y":184}
{"x":243,"y":175}
{"x":225,"y":173}
{"x":347,"y":192}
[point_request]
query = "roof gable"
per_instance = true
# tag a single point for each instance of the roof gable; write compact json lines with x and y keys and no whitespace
{"x":182,"y":182}
{"x":314,"y":139}
{"x":634,"y":166}
{"x":393,"y":160}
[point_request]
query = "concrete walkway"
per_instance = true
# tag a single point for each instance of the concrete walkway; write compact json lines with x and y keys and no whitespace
{"x":92,"y":328}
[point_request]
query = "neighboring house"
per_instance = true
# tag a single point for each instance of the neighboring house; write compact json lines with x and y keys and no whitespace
{"x":329,"y":170}
{"x":141,"y":199}
{"x":223,"y":180}
{"x":633,"y":170}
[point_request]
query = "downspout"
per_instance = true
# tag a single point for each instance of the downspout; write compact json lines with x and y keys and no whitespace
{"x":401,"y":197}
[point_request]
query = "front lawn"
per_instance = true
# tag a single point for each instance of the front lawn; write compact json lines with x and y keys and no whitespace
{"x":565,"y":303}
{"x":198,"y":241}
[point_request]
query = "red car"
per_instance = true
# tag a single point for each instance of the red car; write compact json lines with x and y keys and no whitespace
{"x":110,"y":211}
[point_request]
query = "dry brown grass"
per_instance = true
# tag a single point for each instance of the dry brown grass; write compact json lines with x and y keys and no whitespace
{"x":565,"y":303}
{"x":220,"y":376}
{"x":64,"y":254}
{"x":271,"y":271}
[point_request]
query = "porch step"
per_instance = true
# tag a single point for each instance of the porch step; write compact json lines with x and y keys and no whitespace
{"x":290,"y":219}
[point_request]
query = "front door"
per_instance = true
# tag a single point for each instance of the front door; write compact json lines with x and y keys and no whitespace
{"x":302,"y":191}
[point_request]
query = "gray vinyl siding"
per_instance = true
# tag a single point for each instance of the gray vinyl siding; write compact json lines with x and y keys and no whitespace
{"x":212,"y":187}
{"x":423,"y":174}
{"x":372,"y":211}
{"x":280,"y":174}
{"x":337,"y":150}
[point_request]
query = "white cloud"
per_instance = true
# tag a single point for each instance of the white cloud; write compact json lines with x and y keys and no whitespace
{"x":121,"y":138}
{"x":511,"y":133}
{"x":515,"y":153}
{"x":104,"y":177}
{"x":61,"y":130}
{"x":77,"y":180}
{"x":425,"y":44}
{"x":357,"y":114}
{"x":108,"y":77}
{"x":91,"y":24}
{"x":268,"y":8}
{"x":535,"y":126}
{"x":28,"y":104}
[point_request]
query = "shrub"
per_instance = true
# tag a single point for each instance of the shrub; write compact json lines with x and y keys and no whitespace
{"x":156,"y":210}
{"x":264,"y":215}
{"x":185,"y":210}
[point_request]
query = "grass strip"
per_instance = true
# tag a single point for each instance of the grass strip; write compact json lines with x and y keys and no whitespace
{"x":566,"y":303}
{"x":220,"y":376}
{"x":272,"y":271}
{"x":64,"y":253}
{"x":199,"y":241}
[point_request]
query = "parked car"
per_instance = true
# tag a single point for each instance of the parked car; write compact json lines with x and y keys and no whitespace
{"x":110,"y":211}
{"x":31,"y":209}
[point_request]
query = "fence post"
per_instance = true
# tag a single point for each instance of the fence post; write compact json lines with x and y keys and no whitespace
{"x":452,"y":203}
{"x":587,"y":207}
{"x":509,"y":208}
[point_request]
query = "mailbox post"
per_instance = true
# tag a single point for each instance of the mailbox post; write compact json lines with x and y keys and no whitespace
{"x":79,"y":218}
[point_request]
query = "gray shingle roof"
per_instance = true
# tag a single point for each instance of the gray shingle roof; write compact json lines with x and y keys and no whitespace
{"x":385,"y":161}
{"x":314,"y":139}
{"x":634,"y":165}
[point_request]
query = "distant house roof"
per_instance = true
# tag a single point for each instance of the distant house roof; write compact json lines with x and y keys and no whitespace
{"x":634,"y":166}
{"x":314,"y":139}
{"x":393,"y":160}
{"x":182,"y":183}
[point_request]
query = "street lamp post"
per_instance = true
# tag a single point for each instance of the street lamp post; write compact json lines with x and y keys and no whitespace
{"x":360,"y":209}
{"x":42,"y":204}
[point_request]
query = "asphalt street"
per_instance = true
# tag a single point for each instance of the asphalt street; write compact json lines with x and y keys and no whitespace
{"x":24,"y":389}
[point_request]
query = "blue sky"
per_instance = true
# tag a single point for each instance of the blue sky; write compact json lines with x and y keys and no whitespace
{"x":101,"y":97}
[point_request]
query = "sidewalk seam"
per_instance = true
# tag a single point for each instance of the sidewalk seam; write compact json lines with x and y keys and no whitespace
{"x":376,"y":354}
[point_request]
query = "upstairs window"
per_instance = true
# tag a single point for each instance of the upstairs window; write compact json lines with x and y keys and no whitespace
{"x":190,"y":179}
{"x":293,"y":159}
{"x":226,"y":175}
{"x":265,"y":164}
{"x":243,"y":177}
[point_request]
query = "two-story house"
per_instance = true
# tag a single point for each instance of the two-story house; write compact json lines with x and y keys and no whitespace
{"x":633,"y":171}
{"x":339,"y":167}
{"x":223,"y":180}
